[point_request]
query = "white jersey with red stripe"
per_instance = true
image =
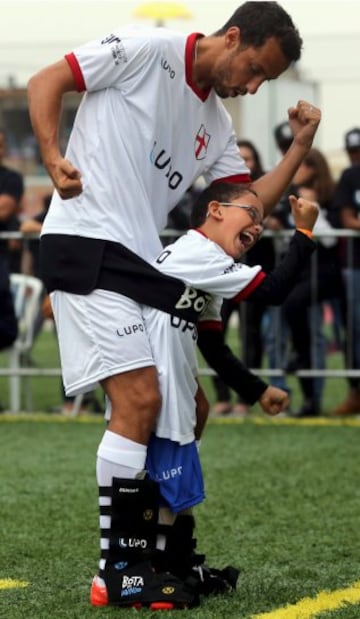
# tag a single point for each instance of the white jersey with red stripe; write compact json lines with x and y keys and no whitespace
{"x":142,"y":135}
{"x":202,"y":265}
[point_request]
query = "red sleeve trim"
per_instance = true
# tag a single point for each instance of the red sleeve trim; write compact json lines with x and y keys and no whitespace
{"x":77,"y":73}
{"x":246,"y":292}
{"x":210,"y":325}
{"x":236,"y":178}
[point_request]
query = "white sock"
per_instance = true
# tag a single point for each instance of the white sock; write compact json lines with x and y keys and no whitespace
{"x":117,"y":456}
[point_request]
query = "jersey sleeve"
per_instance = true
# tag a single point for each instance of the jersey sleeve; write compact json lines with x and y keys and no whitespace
{"x":237,"y":282}
{"x":221,"y":358}
{"x":109,"y":62}
{"x":200,"y":263}
{"x":230,"y":166}
{"x":210,"y":319}
{"x":230,"y":369}
{"x":275,"y":287}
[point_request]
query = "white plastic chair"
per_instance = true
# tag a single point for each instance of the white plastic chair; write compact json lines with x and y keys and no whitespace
{"x":27,"y":294}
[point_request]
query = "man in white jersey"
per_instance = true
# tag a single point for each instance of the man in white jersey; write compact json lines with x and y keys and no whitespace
{"x":151,"y":121}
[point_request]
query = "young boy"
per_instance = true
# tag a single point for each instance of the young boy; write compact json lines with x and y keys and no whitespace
{"x":227,"y":220}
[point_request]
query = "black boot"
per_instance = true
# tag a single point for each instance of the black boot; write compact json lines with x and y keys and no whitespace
{"x":130,"y":574}
{"x":181,"y":560}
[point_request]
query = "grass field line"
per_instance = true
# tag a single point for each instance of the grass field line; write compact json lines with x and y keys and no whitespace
{"x":288,"y":421}
{"x":9,"y":583}
{"x":253,"y":419}
{"x":311,"y":607}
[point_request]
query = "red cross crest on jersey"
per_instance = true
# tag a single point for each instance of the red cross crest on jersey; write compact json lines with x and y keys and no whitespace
{"x":201,"y":143}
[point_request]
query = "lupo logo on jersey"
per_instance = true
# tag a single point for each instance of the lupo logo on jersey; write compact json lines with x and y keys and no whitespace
{"x":162,"y":161}
{"x":202,"y":140}
{"x":165,"y":65}
{"x":129,"y":330}
{"x":184,"y":326}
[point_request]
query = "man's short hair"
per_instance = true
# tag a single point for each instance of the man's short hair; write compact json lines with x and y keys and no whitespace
{"x":352,"y":140}
{"x":259,"y":21}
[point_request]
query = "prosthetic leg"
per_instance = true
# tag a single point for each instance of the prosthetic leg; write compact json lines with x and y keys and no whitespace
{"x":181,"y":560}
{"x":132,"y":575}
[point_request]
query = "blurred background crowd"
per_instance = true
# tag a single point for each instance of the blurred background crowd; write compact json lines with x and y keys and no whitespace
{"x":322,"y":314}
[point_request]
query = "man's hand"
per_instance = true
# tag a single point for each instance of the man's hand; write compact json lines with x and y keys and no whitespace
{"x":66,"y":178}
{"x":304,"y":120}
{"x":274,"y":400}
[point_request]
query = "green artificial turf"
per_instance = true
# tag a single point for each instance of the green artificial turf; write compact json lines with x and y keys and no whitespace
{"x":283,"y":504}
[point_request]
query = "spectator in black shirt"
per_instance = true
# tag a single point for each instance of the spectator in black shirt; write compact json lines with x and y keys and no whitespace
{"x":347,"y":202}
{"x":11,"y":193}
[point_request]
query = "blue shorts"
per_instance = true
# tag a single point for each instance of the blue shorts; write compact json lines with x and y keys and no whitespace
{"x":177,"y":469}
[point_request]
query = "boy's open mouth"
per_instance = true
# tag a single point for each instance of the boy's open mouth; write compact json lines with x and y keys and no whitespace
{"x":247,"y":238}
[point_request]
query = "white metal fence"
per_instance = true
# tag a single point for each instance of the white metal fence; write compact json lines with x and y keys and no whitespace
{"x":312,"y":371}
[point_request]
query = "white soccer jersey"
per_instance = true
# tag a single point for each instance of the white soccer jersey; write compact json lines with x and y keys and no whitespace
{"x":201,"y":264}
{"x":142,"y":135}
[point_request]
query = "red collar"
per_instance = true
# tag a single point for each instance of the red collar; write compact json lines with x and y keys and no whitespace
{"x":200,"y":232}
{"x":189,"y":61}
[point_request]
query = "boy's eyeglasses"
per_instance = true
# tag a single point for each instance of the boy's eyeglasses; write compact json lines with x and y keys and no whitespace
{"x":252,"y":210}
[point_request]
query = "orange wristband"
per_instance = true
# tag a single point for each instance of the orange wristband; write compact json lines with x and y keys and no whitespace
{"x":307,"y":233}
